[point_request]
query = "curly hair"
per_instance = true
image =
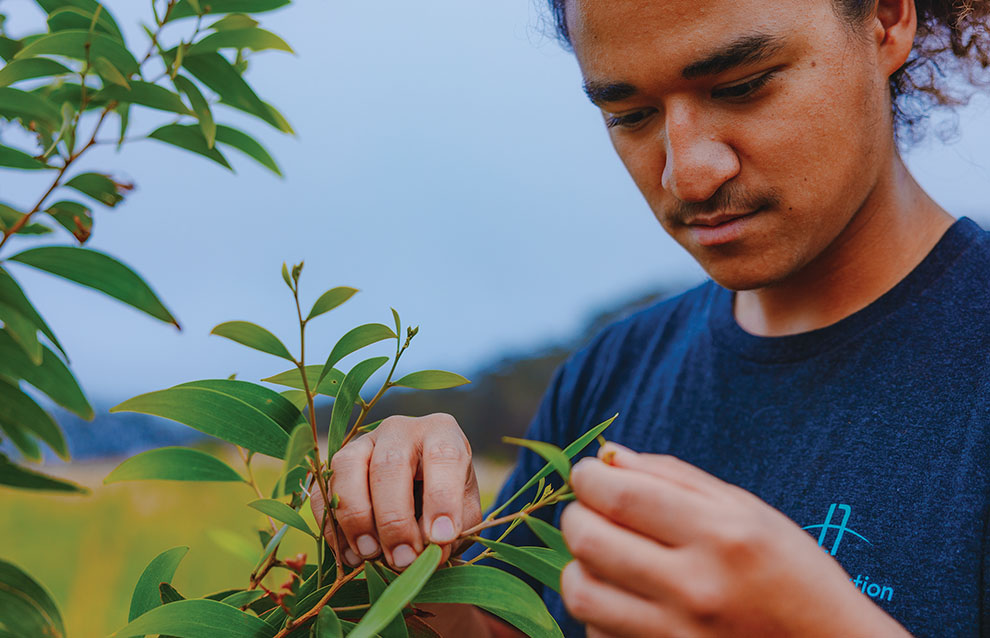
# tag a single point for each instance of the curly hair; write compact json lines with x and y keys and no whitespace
{"x":952,"y":44}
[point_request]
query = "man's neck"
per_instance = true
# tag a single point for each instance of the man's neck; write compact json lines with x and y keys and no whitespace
{"x":892,"y":233}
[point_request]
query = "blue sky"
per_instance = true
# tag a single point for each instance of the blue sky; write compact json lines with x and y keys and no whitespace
{"x":446,"y":163}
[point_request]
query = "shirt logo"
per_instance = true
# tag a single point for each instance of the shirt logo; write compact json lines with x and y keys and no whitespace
{"x":841,"y":527}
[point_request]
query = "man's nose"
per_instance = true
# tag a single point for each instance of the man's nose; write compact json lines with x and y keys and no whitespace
{"x":698,"y":162}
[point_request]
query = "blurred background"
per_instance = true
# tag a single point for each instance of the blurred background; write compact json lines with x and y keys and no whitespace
{"x":446,"y":163}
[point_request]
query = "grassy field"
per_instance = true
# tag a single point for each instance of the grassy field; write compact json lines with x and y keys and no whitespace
{"x":90,"y":550}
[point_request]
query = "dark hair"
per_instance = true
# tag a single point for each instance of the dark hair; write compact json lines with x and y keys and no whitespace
{"x":953,"y":42}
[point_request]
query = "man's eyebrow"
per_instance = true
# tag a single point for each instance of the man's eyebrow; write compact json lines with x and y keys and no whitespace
{"x":748,"y":49}
{"x":604,"y":92}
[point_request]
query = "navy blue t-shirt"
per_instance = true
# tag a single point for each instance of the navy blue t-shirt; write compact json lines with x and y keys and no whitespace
{"x":872,"y":433}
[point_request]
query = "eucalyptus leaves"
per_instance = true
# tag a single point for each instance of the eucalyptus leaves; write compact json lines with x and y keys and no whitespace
{"x":326,"y":598}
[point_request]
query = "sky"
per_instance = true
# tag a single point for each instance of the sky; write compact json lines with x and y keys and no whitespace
{"x":445,"y":162}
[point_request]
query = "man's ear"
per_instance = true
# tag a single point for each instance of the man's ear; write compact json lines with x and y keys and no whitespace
{"x":896,"y":23}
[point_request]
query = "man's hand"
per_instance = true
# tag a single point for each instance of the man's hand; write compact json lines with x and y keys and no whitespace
{"x":374,"y":478}
{"x":664,"y":549}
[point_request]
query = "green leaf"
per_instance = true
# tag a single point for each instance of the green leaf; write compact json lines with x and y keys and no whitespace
{"x":30,"y":68}
{"x":582,"y":442}
{"x":50,"y":375}
{"x":26,"y":608}
{"x":169,"y":594}
{"x":99,"y":187}
{"x":189,"y":137}
{"x":74,"y":217}
{"x":98,"y":271}
{"x":15,"y":476}
{"x":161,"y":569}
{"x":20,"y":409}
{"x":551,"y":453}
{"x":282,"y":512}
{"x":173,"y":464}
{"x":109,"y":73}
{"x":296,"y":397}
{"x":198,"y":618}
{"x":299,"y":447}
{"x":234,"y":21}
{"x":431,"y":380}
{"x":286,"y":277}
{"x":77,"y":18}
{"x":22,"y":439}
{"x":73,"y":44}
{"x":185,"y":10}
{"x":243,"y":598}
{"x":213,"y":413}
{"x":343,"y":405}
{"x":10,"y":217}
{"x":24,"y":335}
{"x":330,"y":300}
{"x":146,"y":94}
{"x":293,"y":379}
{"x":400,"y":593}
{"x":253,"y":336}
{"x":328,"y":625}
{"x":495,"y":591}
{"x":251,"y":38}
{"x":213,"y":70}
{"x":276,"y":407}
{"x":549,"y":535}
{"x":200,"y":107}
{"x":28,"y":107}
{"x":532,"y":563}
{"x":9,"y":48}
{"x":14,"y":158}
{"x":353,"y":341}
{"x":376,"y":587}
{"x":12,"y":295}
{"x":247,"y":145}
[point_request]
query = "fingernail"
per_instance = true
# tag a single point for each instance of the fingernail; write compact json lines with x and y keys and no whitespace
{"x":610,"y":450}
{"x":351,"y":558}
{"x":367,"y":545}
{"x":442,"y":530}
{"x":403,"y":556}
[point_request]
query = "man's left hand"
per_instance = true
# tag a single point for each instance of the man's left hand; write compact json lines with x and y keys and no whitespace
{"x":666,"y":550}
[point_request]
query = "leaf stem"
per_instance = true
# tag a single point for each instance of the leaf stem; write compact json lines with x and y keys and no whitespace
{"x":319,"y":605}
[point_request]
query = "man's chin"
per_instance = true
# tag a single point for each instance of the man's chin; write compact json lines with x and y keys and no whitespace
{"x":739,"y":278}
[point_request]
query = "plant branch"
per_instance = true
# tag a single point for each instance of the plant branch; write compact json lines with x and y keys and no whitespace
{"x":288,"y":629}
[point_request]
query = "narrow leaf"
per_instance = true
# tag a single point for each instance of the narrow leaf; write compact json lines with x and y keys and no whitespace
{"x":23,"y":333}
{"x":169,"y":594}
{"x":400,"y":593}
{"x":28,"y":608}
{"x":431,"y":380}
{"x":282,"y":512}
{"x":234,"y":21}
{"x":330,"y":300}
{"x":253,"y":336}
{"x":213,"y":413}
{"x":109,"y":73}
{"x":353,"y":341}
{"x":495,"y":591}
{"x":343,"y":405}
{"x":81,"y":44}
{"x":532,"y":563}
{"x":14,"y":158}
{"x":19,"y":477}
{"x":146,"y":94}
{"x":100,"y":272}
{"x":270,"y":403}
{"x":213,"y":70}
{"x":184,"y":9}
{"x":376,"y":587}
{"x":243,"y":598}
{"x":50,"y":375}
{"x":190,"y":138}
{"x":198,"y":618}
{"x":251,"y":38}
{"x":200,"y":107}
{"x":74,"y":217}
{"x":12,"y":295}
{"x":173,"y":464}
{"x":99,"y":187}
{"x":293,"y":379}
{"x":553,"y":454}
{"x":28,"y":107}
{"x":160,"y":570}
{"x":31,"y":68}
{"x":328,"y":624}
{"x":549,"y":535}
{"x":67,"y":18}
{"x":247,"y":145}
{"x":20,"y":409}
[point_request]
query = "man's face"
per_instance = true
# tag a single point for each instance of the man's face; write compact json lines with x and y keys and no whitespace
{"x":755,"y":129}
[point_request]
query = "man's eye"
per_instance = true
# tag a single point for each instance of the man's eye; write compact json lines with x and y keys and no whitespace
{"x":744,"y":90}
{"x":630,"y":120}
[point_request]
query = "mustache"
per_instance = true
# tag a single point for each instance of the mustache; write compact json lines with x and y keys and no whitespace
{"x":729,"y":197}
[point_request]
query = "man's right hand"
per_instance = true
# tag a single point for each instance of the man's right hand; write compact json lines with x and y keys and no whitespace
{"x":374,"y":477}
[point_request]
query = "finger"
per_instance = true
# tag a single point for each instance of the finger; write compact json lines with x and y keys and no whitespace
{"x":608,"y":609}
{"x":663,"y":466}
{"x":349,"y":482}
{"x":657,"y":508}
{"x":446,"y":470}
{"x":391,"y":471}
{"x":619,"y":556}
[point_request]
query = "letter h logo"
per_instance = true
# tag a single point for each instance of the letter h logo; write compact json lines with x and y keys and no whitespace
{"x":841,"y":527}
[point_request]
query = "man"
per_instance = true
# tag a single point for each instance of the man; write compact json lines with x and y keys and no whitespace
{"x":811,"y":425}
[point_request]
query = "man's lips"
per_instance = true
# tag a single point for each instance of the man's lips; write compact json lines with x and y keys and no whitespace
{"x":723,"y":228}
{"x":719,"y":219}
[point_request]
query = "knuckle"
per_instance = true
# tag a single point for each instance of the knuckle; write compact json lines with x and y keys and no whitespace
{"x":389,"y":458}
{"x":444,"y":452}
{"x":353,"y":517}
{"x":705,"y":599}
